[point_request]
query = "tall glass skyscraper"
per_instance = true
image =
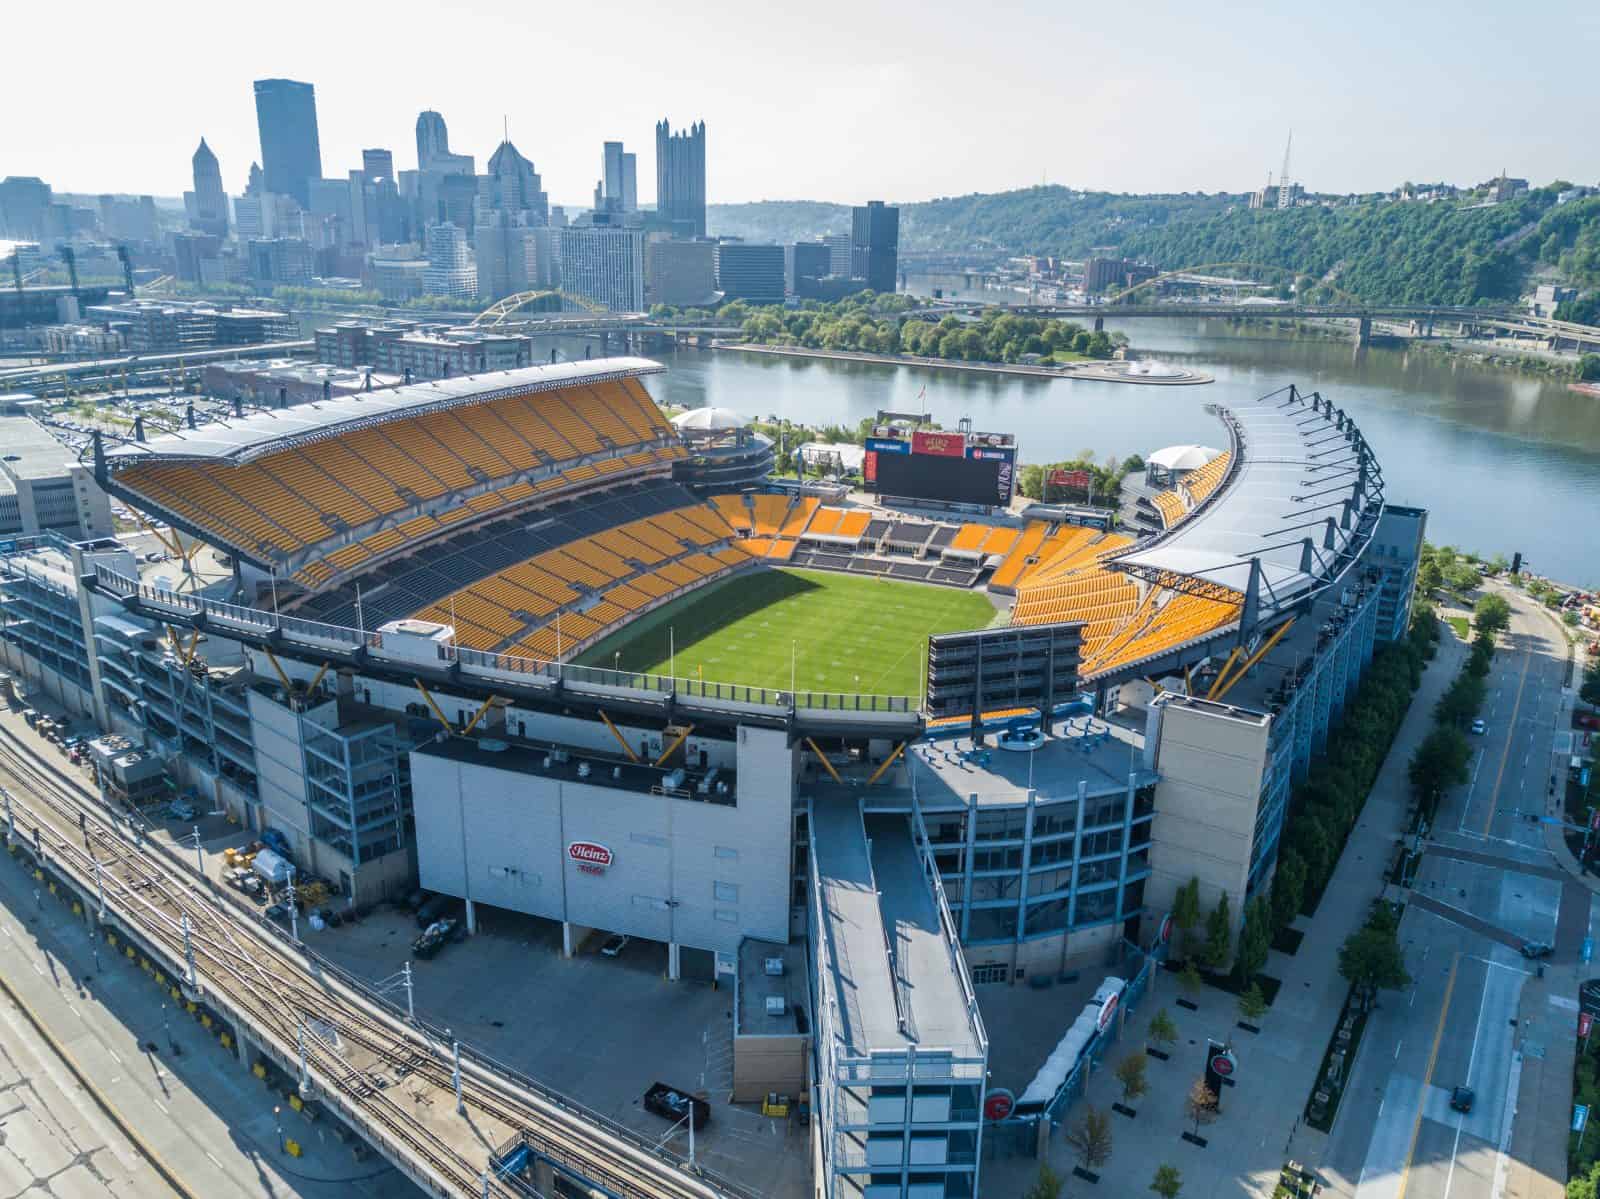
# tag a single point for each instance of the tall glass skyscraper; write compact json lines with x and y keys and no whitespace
{"x":291,"y":156}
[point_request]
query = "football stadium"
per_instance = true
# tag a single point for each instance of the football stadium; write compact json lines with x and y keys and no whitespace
{"x":520,"y":639}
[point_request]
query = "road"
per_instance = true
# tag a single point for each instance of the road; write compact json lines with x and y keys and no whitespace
{"x":1486,"y":884}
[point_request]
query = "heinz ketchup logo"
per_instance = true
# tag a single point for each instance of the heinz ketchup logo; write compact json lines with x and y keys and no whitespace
{"x":589,"y":855}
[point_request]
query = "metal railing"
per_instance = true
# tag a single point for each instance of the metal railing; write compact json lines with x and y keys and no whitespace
{"x":320,"y":636}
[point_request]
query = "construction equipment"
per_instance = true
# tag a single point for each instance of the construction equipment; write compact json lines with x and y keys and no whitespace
{"x":70,"y":257}
{"x":127,"y":271}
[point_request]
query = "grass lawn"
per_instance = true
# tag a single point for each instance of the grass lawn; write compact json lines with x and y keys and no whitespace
{"x":854,"y":633}
{"x":1460,"y":625}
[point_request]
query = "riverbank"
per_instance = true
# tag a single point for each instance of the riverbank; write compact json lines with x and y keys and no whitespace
{"x":1105,"y":372}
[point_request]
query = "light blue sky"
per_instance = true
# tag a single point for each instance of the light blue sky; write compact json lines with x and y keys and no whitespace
{"x":819,"y":99}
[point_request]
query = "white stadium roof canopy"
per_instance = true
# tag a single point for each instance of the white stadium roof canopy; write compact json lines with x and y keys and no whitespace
{"x":261,"y":432}
{"x":709,"y":420}
{"x":1301,"y":497}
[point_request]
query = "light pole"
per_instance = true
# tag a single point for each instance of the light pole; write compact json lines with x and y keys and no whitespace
{"x":166,"y":1028}
{"x":294,"y":915}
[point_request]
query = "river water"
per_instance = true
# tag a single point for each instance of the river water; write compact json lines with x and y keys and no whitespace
{"x":1502,"y":461}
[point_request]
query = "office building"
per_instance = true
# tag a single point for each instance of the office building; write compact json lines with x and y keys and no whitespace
{"x":191,"y":251}
{"x":330,"y":199}
{"x":1102,"y":273}
{"x":808,"y":261}
{"x":285,"y":260}
{"x":25,"y":207}
{"x":44,"y":487}
{"x":681,"y":176}
{"x":397,"y":278}
{"x":619,"y":186}
{"x":507,"y":257}
{"x":750,"y":271}
{"x":207,"y":204}
{"x":512,"y":186}
{"x":450,"y":269}
{"x":378,"y":165}
{"x":875,"y":245}
{"x":604,"y":263}
{"x":433,"y":147}
{"x":291,"y":155}
{"x":838,"y":254}
{"x":680,"y":273}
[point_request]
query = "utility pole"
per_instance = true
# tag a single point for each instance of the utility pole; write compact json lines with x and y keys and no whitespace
{"x":411,"y":1000}
{"x":305,"y":1070}
{"x":455,"y":1072}
{"x":188,"y":953}
{"x":294,"y":916}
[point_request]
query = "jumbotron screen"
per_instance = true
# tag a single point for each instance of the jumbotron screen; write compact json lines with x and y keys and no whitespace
{"x":950,"y":480}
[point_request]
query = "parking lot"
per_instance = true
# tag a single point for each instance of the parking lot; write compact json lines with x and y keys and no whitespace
{"x":596,"y":1028}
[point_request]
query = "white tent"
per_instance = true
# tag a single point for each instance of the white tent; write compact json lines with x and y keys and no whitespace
{"x":709,"y":420}
{"x":1182,"y":457}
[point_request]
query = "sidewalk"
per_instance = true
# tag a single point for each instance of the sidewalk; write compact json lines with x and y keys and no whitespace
{"x":1261,"y":1126}
{"x":199,"y":1112}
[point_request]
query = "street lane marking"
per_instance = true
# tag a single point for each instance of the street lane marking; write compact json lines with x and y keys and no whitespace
{"x":1427,"y":1075}
{"x":1494,"y":796}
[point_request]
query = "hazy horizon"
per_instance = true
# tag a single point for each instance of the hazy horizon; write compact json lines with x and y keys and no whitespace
{"x":853,"y":102}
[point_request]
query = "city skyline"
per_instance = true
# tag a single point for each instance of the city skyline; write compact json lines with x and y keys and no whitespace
{"x":906,"y":111}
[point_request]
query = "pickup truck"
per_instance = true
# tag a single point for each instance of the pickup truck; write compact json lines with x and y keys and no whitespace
{"x":672,"y":1104}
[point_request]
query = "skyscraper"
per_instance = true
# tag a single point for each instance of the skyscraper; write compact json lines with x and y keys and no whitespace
{"x":433,"y":147}
{"x":208,"y":203}
{"x":605,"y":263}
{"x":875,"y":245}
{"x":620,"y":185}
{"x":681,"y":176}
{"x":450,"y":268}
{"x":512,"y":186}
{"x":378,"y":165}
{"x":291,"y":155}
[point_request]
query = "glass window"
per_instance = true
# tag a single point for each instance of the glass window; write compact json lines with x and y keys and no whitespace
{"x":1003,"y":825}
{"x":997,"y":859}
{"x":991,"y":972}
{"x":1045,"y":881}
{"x":1097,"y":905}
{"x":1049,"y":916}
{"x":1001,"y":887}
{"x":947,"y":828}
{"x":1046,"y":853}
{"x":725,"y":892}
{"x":887,"y":1105}
{"x":1133,"y":896}
{"x":1051,"y":819}
{"x":885,"y":1149}
{"x":993,"y":924}
{"x":930,"y":1106}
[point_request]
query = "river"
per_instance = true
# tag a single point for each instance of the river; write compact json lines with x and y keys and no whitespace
{"x":1502,"y":461}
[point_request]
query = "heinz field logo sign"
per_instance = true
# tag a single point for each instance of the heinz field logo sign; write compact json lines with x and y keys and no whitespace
{"x":591,"y":857}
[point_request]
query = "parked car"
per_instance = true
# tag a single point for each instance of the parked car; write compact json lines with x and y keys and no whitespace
{"x":672,"y":1104}
{"x":436,"y":909}
{"x":1479,"y":727}
{"x":1461,"y":1099}
{"x":1536,"y":949}
{"x":614,"y":945}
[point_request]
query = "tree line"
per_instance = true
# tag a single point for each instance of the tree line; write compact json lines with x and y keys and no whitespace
{"x":869,"y":323}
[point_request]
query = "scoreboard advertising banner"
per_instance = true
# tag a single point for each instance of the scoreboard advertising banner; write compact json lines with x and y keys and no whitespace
{"x":945,"y":445}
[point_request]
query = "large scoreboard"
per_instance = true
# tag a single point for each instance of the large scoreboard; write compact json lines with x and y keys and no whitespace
{"x":963,"y":467}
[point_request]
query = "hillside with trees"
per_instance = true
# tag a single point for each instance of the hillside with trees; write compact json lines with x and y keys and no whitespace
{"x":1463,"y":251}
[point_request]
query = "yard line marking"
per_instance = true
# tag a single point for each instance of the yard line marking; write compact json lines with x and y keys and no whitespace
{"x":1427,"y":1075}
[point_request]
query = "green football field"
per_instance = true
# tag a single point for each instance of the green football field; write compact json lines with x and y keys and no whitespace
{"x":846,"y":632}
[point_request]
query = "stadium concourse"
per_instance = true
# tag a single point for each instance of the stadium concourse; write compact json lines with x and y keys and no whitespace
{"x":388,"y":680}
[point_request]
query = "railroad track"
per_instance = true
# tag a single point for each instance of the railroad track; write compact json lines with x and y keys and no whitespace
{"x":356,"y":1055}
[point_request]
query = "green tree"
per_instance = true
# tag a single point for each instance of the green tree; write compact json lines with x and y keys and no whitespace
{"x":1429,"y":576}
{"x":1189,"y":979}
{"x":1091,"y":1137}
{"x":1161,"y":1030}
{"x":1439,"y":763}
{"x":1255,"y":938}
{"x":1186,"y":911}
{"x":1589,"y":693}
{"x":1288,"y":888}
{"x":1046,"y":1186}
{"x":1491,"y":614}
{"x":1219,"y":935}
{"x":1167,"y":1182}
{"x":1370,"y":960}
{"x":1131,"y":1074}
{"x":1252,"y":1003}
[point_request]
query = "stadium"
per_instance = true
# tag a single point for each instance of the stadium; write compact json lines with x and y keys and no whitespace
{"x":522,"y":639}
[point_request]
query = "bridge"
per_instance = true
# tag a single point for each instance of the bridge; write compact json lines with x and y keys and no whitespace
{"x":1560,"y":334}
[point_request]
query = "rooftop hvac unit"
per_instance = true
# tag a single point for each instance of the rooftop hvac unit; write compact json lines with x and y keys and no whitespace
{"x":776,"y":1005}
{"x":773,"y":967}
